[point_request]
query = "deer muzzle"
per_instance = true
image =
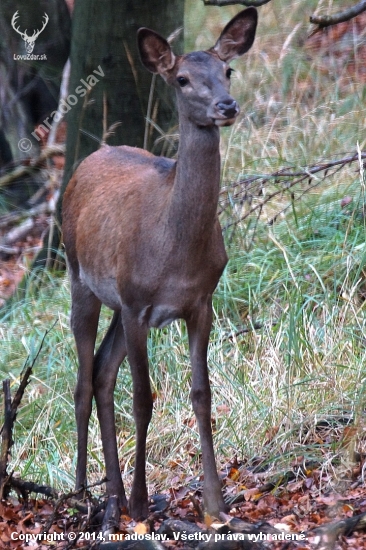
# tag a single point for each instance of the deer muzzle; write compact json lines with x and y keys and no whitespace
{"x":227,"y":110}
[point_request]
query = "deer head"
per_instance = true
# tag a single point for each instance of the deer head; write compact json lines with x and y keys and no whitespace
{"x":29,"y":40}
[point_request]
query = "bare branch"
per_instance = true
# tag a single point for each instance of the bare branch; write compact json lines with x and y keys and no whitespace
{"x":340,"y":17}
{"x":241,"y":191}
{"x":63,"y":95}
{"x":6,"y":440}
{"x":34,"y":164}
{"x":247,"y":3}
{"x":18,"y":215}
{"x":25,"y":487}
{"x":320,"y":20}
{"x":74,"y":503}
{"x":10,"y":412}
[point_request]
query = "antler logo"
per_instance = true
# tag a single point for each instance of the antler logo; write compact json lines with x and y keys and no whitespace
{"x":29,"y":40}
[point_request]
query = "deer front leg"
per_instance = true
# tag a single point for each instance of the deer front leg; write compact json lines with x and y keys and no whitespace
{"x":199,"y":327}
{"x":107,"y":361}
{"x":84,"y":323}
{"x":136,"y":343}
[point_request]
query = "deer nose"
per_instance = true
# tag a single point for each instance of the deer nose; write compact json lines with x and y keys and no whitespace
{"x":228,"y":107}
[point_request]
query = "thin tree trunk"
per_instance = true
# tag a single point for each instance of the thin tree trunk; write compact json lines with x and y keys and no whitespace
{"x":104,"y":42}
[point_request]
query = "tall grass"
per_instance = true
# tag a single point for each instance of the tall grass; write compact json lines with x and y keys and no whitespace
{"x":302,"y":280}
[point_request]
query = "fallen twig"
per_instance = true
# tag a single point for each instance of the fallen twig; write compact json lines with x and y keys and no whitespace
{"x":242,"y":191}
{"x":34,"y":164}
{"x":18,"y":233}
{"x":10,"y":412}
{"x":325,"y":537}
{"x":6,"y":439}
{"x":251,"y":328}
{"x":14,"y":217}
{"x":25,"y":487}
{"x":75,"y":503}
{"x":248,"y":3}
{"x":279,"y":480}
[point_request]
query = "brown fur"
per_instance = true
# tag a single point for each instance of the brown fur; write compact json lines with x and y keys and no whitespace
{"x":142,"y":236}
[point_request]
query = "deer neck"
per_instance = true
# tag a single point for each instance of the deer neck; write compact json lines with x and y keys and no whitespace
{"x":193,"y":207}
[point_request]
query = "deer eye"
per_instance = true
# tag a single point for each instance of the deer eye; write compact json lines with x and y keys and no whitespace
{"x":229,"y":72}
{"x":182,"y":81}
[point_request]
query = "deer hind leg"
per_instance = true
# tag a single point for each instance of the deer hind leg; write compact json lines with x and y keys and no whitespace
{"x":107,"y":361}
{"x":85,"y":312}
{"x":136,"y":342}
{"x":199,"y":327}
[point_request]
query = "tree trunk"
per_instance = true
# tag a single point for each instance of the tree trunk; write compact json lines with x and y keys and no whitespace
{"x":104,"y":42}
{"x":30,"y":87}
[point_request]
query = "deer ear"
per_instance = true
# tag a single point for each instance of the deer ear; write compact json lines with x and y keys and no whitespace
{"x":155,"y":52}
{"x":238,"y":35}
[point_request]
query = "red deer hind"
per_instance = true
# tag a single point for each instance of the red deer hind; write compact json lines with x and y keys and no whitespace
{"x":142,"y":237}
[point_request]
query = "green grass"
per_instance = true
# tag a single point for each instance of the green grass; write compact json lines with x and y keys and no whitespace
{"x":302,"y":279}
{"x":305,"y":285}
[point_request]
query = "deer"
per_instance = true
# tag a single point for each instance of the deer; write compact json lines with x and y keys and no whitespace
{"x":142,"y":236}
{"x":29,"y":40}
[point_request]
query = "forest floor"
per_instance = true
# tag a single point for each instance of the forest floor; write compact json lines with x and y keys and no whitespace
{"x":290,"y":513}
